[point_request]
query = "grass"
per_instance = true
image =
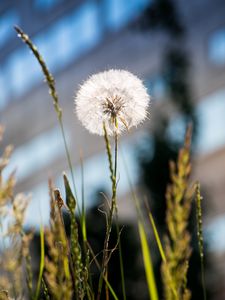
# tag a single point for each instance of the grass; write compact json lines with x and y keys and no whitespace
{"x":65,"y":271}
{"x":198,"y":199}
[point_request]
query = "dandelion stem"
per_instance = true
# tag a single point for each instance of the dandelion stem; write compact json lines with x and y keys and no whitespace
{"x":112,"y":209}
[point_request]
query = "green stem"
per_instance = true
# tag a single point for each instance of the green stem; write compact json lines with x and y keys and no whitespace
{"x":112,"y":208}
{"x":113,"y":176}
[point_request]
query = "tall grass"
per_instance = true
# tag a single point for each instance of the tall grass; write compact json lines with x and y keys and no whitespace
{"x":179,"y":198}
{"x":199,"y":198}
{"x":65,"y":268}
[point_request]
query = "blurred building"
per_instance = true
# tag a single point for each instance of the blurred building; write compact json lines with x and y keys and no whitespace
{"x":79,"y":38}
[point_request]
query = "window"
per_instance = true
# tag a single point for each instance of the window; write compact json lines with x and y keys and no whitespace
{"x":214,"y":234}
{"x":46,"y":4}
{"x":216,"y":50}
{"x":65,"y":40}
{"x":177,"y":129}
{"x":21,"y":72}
{"x":3,"y":92}
{"x":7,"y":20}
{"x":211,"y":111}
{"x":120,"y":12}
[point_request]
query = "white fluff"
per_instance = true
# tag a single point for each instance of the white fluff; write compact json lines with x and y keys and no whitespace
{"x":111,"y":96}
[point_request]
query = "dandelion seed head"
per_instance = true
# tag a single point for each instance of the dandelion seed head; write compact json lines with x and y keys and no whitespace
{"x":116,"y":98}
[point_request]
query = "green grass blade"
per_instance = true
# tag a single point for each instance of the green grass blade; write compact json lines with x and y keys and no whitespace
{"x":157,"y":238}
{"x":161,"y":251}
{"x":42,"y":261}
{"x":147,"y":263}
{"x":110,"y":288}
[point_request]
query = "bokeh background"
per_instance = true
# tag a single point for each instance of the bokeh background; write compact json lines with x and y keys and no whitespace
{"x":177,"y":48}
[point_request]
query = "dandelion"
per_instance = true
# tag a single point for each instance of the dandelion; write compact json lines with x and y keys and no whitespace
{"x":116,"y":98}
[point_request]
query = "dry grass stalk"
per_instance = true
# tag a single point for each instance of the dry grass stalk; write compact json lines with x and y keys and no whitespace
{"x":179,"y":197}
{"x":80,"y":272}
{"x":198,"y":199}
{"x":57,"y":270}
{"x":14,"y":242}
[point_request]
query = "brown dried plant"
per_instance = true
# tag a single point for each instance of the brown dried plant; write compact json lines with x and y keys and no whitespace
{"x":66,"y":275}
{"x":57,"y":269}
{"x":179,"y":198}
{"x":14,"y":243}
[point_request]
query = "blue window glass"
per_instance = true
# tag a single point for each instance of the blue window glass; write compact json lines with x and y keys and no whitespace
{"x":176,"y":129}
{"x":211,"y":111}
{"x":121,"y":12}
{"x":214,"y":234}
{"x":3,"y":92}
{"x":46,"y":4}
{"x":62,"y":38}
{"x":71,"y":37}
{"x":216,"y":50}
{"x":7,"y":20}
{"x":21,"y":71}
{"x":89,"y":25}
